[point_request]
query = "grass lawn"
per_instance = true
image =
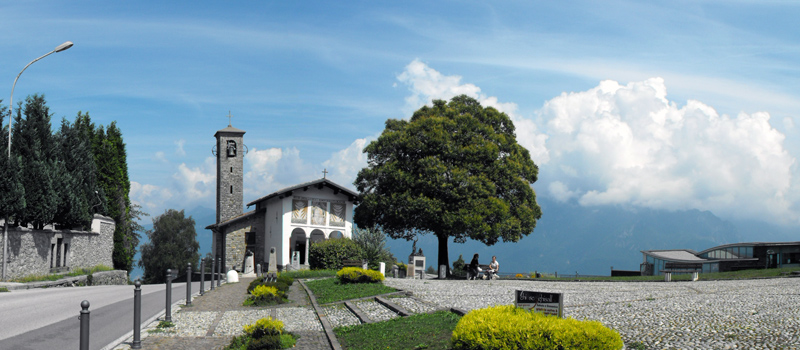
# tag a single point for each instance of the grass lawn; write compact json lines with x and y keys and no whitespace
{"x":329,"y":290}
{"x":55,"y":277}
{"x":423,"y":331}
{"x":309,"y":273}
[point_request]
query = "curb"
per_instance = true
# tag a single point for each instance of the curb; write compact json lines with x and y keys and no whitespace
{"x":326,"y":325}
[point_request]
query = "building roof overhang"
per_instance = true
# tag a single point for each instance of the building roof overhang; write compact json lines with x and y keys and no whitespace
{"x":319,"y":183}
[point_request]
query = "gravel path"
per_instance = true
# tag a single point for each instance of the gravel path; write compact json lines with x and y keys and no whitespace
{"x":749,"y":314}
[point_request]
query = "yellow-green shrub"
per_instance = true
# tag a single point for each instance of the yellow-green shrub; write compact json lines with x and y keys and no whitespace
{"x":264,"y":327}
{"x":519,"y":275}
{"x":263,"y":290}
{"x":358,"y":275}
{"x":509,"y":327}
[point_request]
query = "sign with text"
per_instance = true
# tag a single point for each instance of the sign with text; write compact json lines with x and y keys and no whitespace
{"x":546,"y":303}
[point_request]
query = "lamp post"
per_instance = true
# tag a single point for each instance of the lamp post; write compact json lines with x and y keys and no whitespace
{"x":59,"y":48}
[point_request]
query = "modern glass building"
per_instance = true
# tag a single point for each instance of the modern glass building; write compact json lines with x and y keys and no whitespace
{"x":728,"y":257}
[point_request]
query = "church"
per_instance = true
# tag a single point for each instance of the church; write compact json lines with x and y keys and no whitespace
{"x":290,"y":219}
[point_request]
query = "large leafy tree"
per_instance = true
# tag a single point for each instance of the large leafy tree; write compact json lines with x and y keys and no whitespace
{"x":454,"y":170}
{"x":173,"y":244}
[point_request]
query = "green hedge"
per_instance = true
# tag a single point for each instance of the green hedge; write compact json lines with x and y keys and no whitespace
{"x":509,"y":327}
{"x":358,"y":275}
{"x":331,"y":253}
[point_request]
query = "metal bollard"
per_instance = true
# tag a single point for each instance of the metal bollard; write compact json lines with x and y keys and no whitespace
{"x":84,"y":325}
{"x":168,"y":316}
{"x":258,"y":270}
{"x":202,"y":275}
{"x":219,"y":270}
{"x":137,"y":315}
{"x":213,"y":272}
{"x":189,"y":284}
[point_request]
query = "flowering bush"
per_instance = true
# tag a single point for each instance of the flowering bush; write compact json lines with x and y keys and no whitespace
{"x":358,"y":275}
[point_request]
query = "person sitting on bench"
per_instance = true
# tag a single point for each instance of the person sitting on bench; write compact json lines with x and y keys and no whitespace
{"x":491,"y":272}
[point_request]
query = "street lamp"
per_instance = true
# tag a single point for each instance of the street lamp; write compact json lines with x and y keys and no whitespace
{"x":59,"y":48}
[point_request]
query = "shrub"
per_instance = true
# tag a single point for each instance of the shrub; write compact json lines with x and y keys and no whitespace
{"x":459,"y":267}
{"x":263,"y":327}
{"x":282,"y":287}
{"x":402,"y":266}
{"x":509,"y":327}
{"x":283,"y":278}
{"x":373,"y":246}
{"x":519,"y":275}
{"x":331,"y":254}
{"x":358,"y":275}
{"x":265,"y":295}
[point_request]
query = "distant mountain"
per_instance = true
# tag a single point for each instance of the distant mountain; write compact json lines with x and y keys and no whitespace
{"x":571,"y":238}
{"x":590,"y":240}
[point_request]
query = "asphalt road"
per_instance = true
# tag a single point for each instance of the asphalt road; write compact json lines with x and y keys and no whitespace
{"x":41,"y":319}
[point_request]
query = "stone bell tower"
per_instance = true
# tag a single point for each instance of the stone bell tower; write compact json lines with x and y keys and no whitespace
{"x":230,"y":151}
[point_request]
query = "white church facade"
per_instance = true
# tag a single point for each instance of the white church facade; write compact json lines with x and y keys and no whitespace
{"x":289,"y":220}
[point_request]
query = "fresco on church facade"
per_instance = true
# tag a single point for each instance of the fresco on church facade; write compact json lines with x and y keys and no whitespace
{"x":337,"y":213}
{"x":319,"y":211}
{"x":299,"y":211}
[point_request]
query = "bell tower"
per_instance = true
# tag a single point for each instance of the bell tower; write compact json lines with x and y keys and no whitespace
{"x":230,"y":151}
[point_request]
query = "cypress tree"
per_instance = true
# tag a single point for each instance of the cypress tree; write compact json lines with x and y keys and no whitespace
{"x":13,"y":199}
{"x":34,"y":146}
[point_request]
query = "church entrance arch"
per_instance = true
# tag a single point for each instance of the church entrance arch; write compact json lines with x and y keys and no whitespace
{"x":297,"y":243}
{"x":317,"y":236}
{"x":336,"y":234}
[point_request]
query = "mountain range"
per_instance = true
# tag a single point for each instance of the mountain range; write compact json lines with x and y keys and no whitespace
{"x":570,"y":238}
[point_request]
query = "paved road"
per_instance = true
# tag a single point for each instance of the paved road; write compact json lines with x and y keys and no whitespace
{"x":41,"y":319}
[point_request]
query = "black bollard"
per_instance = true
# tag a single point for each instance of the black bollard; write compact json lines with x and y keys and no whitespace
{"x":168,"y":316}
{"x":213,"y":272}
{"x":84,"y":325}
{"x":189,"y":284}
{"x":137,"y":315}
{"x":219,"y":270}
{"x":202,"y":275}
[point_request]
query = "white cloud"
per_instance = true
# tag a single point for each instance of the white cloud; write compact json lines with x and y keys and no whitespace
{"x":629,"y":144}
{"x":269,"y":170}
{"x":152,"y":198}
{"x":179,"y":147}
{"x":344,"y":165}
{"x":159,"y":156}
{"x":197,"y":183}
{"x":426,"y":84}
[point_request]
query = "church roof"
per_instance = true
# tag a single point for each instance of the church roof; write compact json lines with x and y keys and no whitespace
{"x":230,"y":129}
{"x":231,"y":220}
{"x":319,"y":183}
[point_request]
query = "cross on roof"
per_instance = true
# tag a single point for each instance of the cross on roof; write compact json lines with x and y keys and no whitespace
{"x":229,"y":118}
{"x":324,"y":173}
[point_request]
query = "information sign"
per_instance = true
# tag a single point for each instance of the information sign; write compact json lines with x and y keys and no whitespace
{"x":546,"y":303}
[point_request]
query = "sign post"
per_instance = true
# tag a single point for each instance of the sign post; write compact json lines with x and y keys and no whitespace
{"x":546,"y":303}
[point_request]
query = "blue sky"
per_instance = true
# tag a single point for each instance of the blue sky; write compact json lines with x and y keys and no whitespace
{"x":668,"y":105}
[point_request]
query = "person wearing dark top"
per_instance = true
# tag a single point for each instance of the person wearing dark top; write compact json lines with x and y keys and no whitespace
{"x":473,"y":267}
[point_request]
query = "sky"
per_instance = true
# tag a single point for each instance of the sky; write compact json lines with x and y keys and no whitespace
{"x":660,"y":104}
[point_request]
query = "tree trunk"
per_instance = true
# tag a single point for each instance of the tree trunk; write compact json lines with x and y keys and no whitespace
{"x":443,"y":258}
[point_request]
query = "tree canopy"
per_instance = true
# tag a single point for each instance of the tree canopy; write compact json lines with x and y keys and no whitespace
{"x":173,"y":245}
{"x":454,"y":170}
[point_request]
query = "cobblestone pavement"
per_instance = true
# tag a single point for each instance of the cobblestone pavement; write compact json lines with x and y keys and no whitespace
{"x":743,"y":314}
{"x":217,"y":316}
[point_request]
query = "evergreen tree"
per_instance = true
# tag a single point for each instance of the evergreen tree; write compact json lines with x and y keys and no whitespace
{"x":34,"y":146}
{"x":173,"y":244}
{"x":12,"y":200}
{"x":78,"y":181}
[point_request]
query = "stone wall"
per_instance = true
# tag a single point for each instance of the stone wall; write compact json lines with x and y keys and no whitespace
{"x":235,"y":242}
{"x":32,"y":252}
